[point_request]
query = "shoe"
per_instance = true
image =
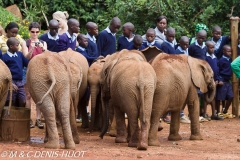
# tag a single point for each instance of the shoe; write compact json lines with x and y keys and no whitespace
{"x":39,"y":124}
{"x":220,"y":114}
{"x":206,"y":117}
{"x":31,"y":124}
{"x":167,"y":119}
{"x":89,"y":116}
{"x":228,"y":115}
{"x":202,"y":119}
{"x":79,"y":120}
{"x":216,"y":117}
{"x":184,"y":119}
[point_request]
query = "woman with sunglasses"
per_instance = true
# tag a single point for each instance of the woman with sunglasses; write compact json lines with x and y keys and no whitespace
{"x":35,"y":47}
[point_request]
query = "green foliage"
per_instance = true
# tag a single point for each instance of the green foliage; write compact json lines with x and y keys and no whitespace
{"x":6,"y":17}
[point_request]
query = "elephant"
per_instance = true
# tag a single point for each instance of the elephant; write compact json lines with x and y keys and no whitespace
{"x":129,"y":81}
{"x":80,"y":100}
{"x":94,"y":75}
{"x":49,"y":80}
{"x":178,"y":79}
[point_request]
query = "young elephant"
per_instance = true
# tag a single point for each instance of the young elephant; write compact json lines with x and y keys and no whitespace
{"x":49,"y":82}
{"x":129,"y":81}
{"x":178,"y":78}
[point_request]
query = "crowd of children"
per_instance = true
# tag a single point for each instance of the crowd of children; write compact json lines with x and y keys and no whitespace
{"x":216,"y":51}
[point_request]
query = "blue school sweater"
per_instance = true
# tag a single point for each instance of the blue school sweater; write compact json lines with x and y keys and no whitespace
{"x":179,"y":50}
{"x":225,"y":70}
{"x":84,"y":52}
{"x":51,"y":43}
{"x":123,"y":43}
{"x":131,"y":47}
{"x":213,"y":62}
{"x":219,"y":53}
{"x":66,"y":42}
{"x":92,"y":49}
{"x":106,"y":43}
{"x":167,"y":48}
{"x":196,"y":51}
{"x":0,"y":54}
{"x":15,"y":64}
{"x":145,"y":44}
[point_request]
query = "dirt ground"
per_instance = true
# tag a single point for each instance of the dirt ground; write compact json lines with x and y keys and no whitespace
{"x":220,"y":141}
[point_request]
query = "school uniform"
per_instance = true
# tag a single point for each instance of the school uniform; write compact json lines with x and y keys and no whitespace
{"x":153,"y":43}
{"x":51,"y":41}
{"x":168,"y":47}
{"x":124,"y":42}
{"x":132,"y":47}
{"x":218,"y":46}
{"x":106,"y":43}
{"x":197,"y":51}
{"x":84,"y":52}
{"x":15,"y":62}
{"x":66,"y":41}
{"x":179,"y":50}
{"x":92,"y":46}
{"x":213,"y":62}
{"x":225,"y":73}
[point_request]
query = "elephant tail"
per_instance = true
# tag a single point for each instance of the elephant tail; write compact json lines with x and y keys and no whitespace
{"x":53,"y":79}
{"x":141,"y":102}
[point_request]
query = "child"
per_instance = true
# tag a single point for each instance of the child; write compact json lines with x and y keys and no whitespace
{"x":150,"y":36}
{"x":224,"y":88}
{"x":137,"y":43}
{"x":168,"y":45}
{"x":213,"y":62}
{"x":51,"y":37}
{"x":126,"y":40}
{"x":82,"y":48}
{"x":183,"y":46}
{"x":68,"y":39}
{"x":219,"y":41}
{"x":15,"y":62}
{"x":198,"y":49}
{"x":106,"y":43}
{"x":92,"y":31}
{"x":198,"y":28}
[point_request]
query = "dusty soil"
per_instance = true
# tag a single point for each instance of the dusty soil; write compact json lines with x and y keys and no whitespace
{"x":220,"y":141}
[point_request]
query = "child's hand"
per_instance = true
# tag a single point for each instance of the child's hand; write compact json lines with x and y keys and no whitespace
{"x":15,"y":88}
{"x":216,"y":83}
{"x":221,"y":83}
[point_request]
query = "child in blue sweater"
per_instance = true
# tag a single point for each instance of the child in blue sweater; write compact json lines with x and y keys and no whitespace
{"x":127,"y":39}
{"x":51,"y":37}
{"x":92,"y":31}
{"x":150,"y":36}
{"x":213,"y":62}
{"x":224,"y":89}
{"x":15,"y":61}
{"x":106,"y":43}
{"x":168,"y":45}
{"x":137,"y":43}
{"x":183,"y":46}
{"x":219,"y":41}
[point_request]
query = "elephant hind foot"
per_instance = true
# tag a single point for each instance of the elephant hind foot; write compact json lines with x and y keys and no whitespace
{"x":121,"y":140}
{"x":174,"y":137}
{"x":142,"y":146}
{"x":70,"y":145}
{"x":160,"y":127}
{"x":113,"y":133}
{"x":153,"y":142}
{"x":52,"y":144}
{"x":76,"y":139}
{"x":196,"y":137}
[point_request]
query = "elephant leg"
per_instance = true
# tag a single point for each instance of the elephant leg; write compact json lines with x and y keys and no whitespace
{"x":120,"y":126}
{"x":134,"y":128}
{"x":46,"y":134}
{"x":194,"y":116}
{"x":63,"y":110}
{"x":174,"y":126}
{"x":112,"y":128}
{"x":48,"y":110}
{"x":74,"y":124}
{"x":82,"y":107}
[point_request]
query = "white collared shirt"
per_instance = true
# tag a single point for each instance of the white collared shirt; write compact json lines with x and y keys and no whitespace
{"x":169,"y":43}
{"x":212,"y":56}
{"x":239,"y":46}
{"x":93,"y":39}
{"x":109,"y":31}
{"x":12,"y":54}
{"x":131,"y":39}
{"x":151,"y":44}
{"x":226,"y":57}
{"x":217,"y":44}
{"x":203,"y":45}
{"x":83,"y":49}
{"x":73,"y":38}
{"x":51,"y":37}
{"x":184,"y":51}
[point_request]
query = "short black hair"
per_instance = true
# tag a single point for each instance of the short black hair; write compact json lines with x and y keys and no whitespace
{"x":11,"y":25}
{"x":34,"y":25}
{"x":161,"y":18}
{"x":11,"y":41}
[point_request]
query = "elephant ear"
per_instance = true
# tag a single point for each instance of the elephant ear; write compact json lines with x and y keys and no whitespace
{"x":198,"y":71}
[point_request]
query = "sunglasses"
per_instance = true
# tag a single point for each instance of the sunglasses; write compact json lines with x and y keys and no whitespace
{"x":34,"y":31}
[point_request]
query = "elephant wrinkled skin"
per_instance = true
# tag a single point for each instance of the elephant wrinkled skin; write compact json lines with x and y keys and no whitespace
{"x":178,"y":78}
{"x":129,"y":81}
